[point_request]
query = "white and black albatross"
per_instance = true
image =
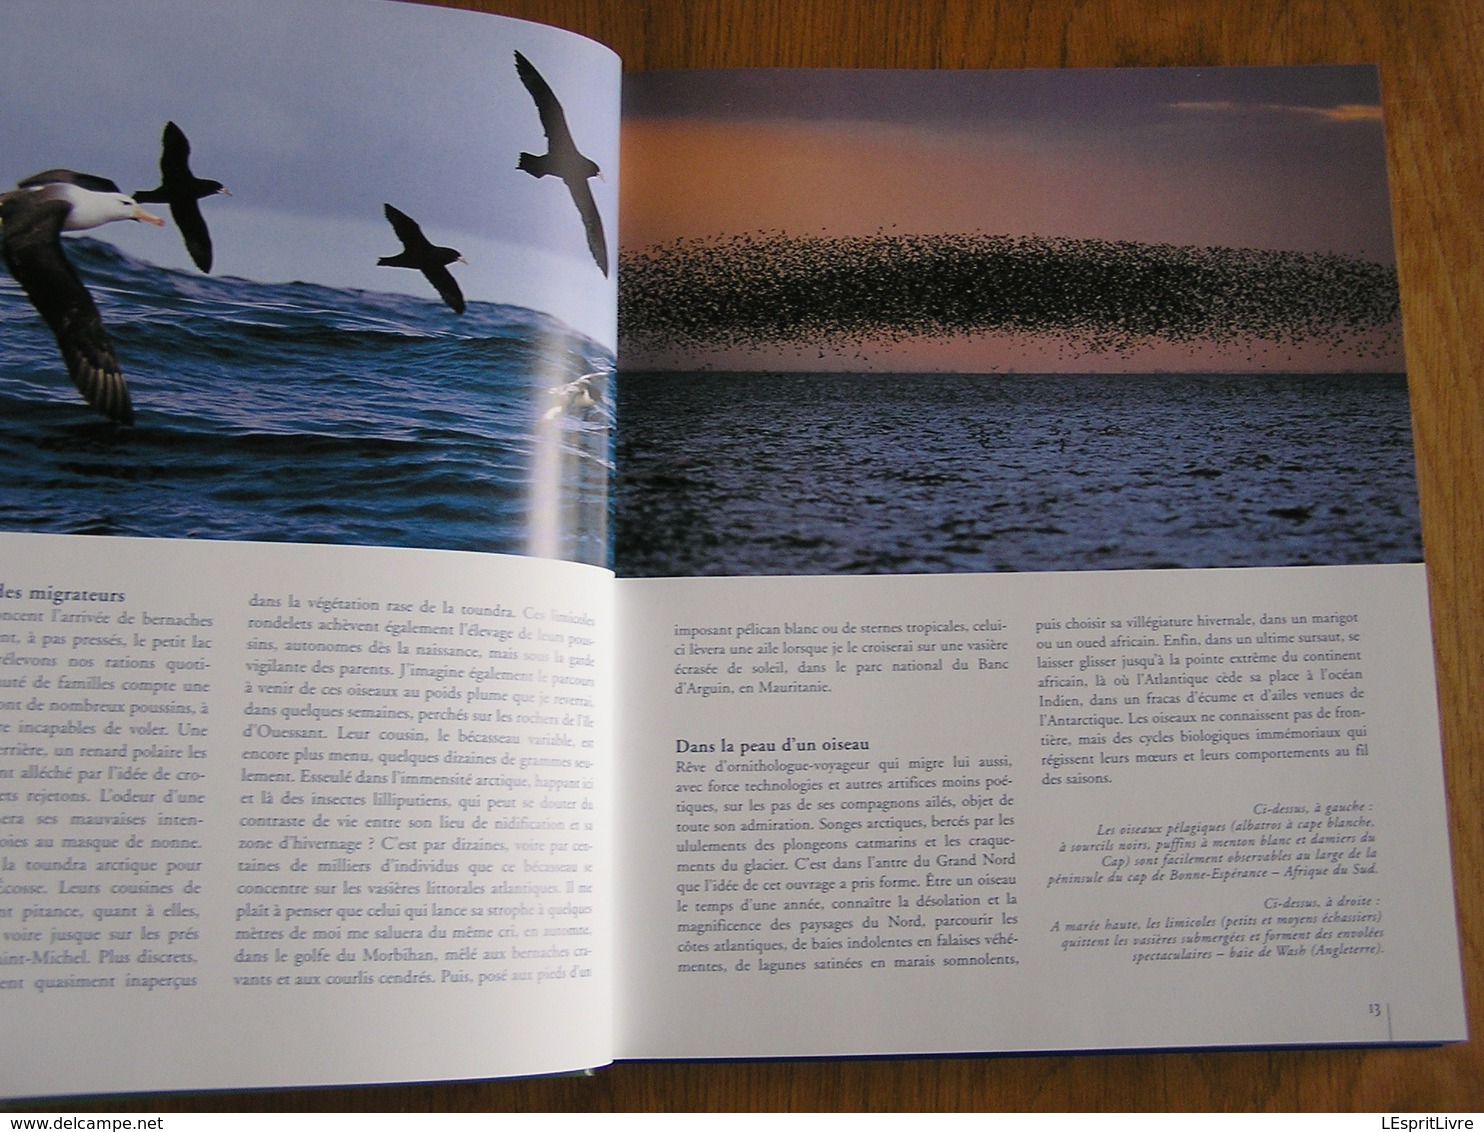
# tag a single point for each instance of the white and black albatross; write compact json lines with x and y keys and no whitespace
{"x":32,"y":220}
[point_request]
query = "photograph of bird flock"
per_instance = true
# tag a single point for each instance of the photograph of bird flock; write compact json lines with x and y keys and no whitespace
{"x":256,"y":291}
{"x":978,"y":321}
{"x":868,"y":321}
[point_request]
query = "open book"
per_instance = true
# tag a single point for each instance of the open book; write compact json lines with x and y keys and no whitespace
{"x":976,"y":603}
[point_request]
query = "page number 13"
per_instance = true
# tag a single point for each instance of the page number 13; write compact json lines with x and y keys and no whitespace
{"x":1380,"y":1010}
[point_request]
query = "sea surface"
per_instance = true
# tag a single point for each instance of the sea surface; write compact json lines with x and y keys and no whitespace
{"x":300,"y":413}
{"x":822,"y":473}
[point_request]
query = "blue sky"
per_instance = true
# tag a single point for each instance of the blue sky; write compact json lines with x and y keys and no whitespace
{"x":314,"y":113}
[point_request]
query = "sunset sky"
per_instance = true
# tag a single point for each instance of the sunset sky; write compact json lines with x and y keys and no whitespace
{"x":289,"y":103}
{"x":1272,"y":158}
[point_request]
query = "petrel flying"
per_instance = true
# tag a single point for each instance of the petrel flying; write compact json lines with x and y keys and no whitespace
{"x":181,"y":190}
{"x":423,"y":255}
{"x":562,"y":158}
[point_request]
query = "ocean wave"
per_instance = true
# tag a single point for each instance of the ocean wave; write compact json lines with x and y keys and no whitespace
{"x":299,"y":412}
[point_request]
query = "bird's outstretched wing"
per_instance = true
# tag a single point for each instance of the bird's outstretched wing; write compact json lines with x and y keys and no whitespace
{"x":447,"y":287}
{"x":407,"y":229}
{"x":553,"y":118}
{"x":32,"y":226}
{"x":587,"y":208}
{"x":175,"y":155}
{"x":70,"y":177}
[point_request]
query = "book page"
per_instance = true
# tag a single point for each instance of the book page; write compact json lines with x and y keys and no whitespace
{"x":300,"y":815}
{"x":305,"y":595}
{"x":1032,"y":812}
{"x":1025,"y":627}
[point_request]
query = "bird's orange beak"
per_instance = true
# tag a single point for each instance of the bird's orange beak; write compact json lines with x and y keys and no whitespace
{"x":147,"y":217}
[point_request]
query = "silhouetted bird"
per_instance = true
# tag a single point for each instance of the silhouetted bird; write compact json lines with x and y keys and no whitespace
{"x":32,"y":220}
{"x":181,"y":189}
{"x":422,"y":255}
{"x":562,"y":158}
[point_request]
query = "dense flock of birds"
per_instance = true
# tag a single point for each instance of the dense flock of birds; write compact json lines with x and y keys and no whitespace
{"x":34,"y":215}
{"x":773,"y":289}
{"x":1091,"y":296}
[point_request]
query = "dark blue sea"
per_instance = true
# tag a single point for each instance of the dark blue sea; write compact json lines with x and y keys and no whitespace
{"x":820,"y":473}
{"x":306,"y":414}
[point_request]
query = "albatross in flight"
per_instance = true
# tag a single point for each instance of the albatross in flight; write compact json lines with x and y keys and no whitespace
{"x":421,"y":254}
{"x":575,"y":396}
{"x":32,"y":220}
{"x":562,"y":158}
{"x":181,"y":190}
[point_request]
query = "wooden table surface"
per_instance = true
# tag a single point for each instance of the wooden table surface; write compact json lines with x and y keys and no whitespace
{"x":1431,"y":54}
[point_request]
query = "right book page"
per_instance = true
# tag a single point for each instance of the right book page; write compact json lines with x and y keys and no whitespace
{"x":1026,"y":641}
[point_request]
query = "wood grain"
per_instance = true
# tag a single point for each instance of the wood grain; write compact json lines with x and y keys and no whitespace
{"x":1430,"y":54}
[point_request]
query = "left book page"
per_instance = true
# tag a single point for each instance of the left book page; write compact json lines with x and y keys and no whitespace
{"x":305,"y":600}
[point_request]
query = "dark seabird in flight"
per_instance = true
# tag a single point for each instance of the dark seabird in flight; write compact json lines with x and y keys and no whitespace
{"x":562,"y":158}
{"x":32,"y":220}
{"x":419,"y":253}
{"x":181,"y":189}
